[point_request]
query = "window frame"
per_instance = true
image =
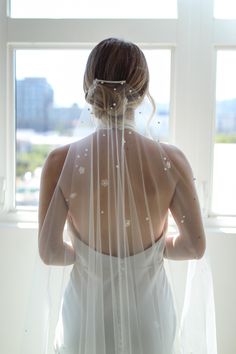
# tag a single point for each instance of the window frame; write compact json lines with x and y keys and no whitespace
{"x":194,"y":38}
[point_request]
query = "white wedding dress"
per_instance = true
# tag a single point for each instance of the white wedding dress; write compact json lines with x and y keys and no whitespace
{"x":142,"y":322}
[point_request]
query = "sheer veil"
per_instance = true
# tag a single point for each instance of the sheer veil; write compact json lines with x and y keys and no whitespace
{"x":116,"y":278}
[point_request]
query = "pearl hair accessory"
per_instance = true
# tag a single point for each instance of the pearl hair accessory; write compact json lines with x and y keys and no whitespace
{"x":121,"y":82}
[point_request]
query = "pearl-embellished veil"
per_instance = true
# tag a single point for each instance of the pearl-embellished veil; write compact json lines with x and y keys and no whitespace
{"x":113,"y":278}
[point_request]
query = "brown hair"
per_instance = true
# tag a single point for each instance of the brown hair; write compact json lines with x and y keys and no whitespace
{"x":115,"y":60}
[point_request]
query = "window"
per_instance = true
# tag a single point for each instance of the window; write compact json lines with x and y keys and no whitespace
{"x":44,"y":44}
{"x":49,"y":102}
{"x":225,"y":9}
{"x":224,"y":172}
{"x":93,"y":9}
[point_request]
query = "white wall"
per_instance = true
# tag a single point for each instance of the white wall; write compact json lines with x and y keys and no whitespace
{"x":18,"y":247}
{"x":17,"y":253}
{"x":223,"y":261}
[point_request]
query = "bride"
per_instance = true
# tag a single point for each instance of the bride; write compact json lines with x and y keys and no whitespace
{"x":115,"y":189}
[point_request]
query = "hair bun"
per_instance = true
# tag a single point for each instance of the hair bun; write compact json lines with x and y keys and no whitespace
{"x":107,"y":99}
{"x":112,"y":99}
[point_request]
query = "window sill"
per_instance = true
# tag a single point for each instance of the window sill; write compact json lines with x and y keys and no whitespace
{"x":28,"y":219}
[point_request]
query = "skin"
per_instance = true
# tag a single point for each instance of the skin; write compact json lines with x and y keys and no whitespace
{"x":160,"y":186}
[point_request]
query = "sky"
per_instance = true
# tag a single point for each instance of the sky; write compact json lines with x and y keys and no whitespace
{"x":225,"y":9}
{"x":226,"y":75}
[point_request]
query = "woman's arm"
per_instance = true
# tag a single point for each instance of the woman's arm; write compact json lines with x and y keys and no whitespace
{"x":53,"y":212}
{"x":185,"y":208}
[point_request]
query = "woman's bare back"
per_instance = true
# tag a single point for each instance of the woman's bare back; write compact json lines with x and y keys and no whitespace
{"x":147,"y":185}
{"x":157,"y":178}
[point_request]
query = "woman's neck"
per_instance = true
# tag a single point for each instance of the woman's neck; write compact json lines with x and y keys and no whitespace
{"x":121,"y":124}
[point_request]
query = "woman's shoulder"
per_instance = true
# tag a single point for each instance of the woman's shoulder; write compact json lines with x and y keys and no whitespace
{"x":54,"y":163}
{"x":57,"y":156}
{"x":172,"y":150}
{"x":178,"y":158}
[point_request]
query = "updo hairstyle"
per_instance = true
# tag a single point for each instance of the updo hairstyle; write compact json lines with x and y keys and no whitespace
{"x":115,"y":60}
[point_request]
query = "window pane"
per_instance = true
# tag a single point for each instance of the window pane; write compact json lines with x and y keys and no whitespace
{"x":225,"y":9}
{"x":49,"y":102}
{"x":93,"y":9}
{"x":224,"y":173}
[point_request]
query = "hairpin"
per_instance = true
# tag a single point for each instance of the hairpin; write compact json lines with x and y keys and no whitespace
{"x":122,"y":82}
